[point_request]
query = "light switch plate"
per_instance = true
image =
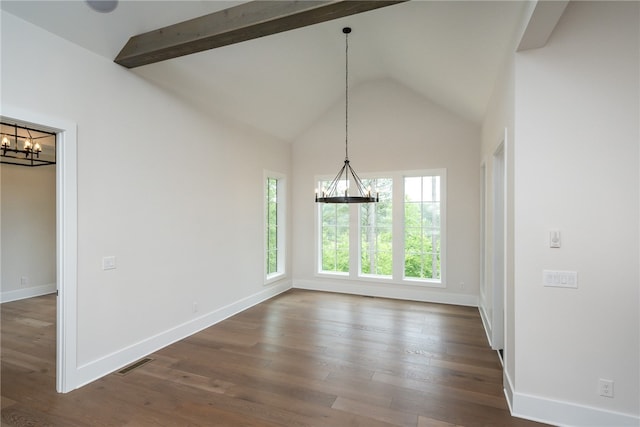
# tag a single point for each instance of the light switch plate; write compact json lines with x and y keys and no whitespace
{"x":560,"y":279}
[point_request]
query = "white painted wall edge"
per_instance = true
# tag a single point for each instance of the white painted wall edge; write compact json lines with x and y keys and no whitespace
{"x":559,"y":413}
{"x":110,"y":363}
{"x":30,"y":292}
{"x":486,"y":323}
{"x":411,"y":293}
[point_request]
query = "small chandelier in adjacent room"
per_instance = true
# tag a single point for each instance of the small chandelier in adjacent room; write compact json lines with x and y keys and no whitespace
{"x":346,"y":187}
{"x":24,"y":146}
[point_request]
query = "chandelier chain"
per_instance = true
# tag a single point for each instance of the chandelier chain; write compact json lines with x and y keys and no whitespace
{"x":346,"y":97}
{"x":346,"y":187}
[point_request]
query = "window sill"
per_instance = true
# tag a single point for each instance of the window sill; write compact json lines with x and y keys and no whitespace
{"x":275,"y":277}
{"x":387,"y":280}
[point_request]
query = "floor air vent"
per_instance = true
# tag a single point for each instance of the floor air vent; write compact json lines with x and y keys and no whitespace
{"x":127,"y":369}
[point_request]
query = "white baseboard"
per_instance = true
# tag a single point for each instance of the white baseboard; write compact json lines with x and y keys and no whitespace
{"x":403,"y":292}
{"x":507,"y":388}
{"x":30,"y":292}
{"x":98,"y":368}
{"x":558,"y":413}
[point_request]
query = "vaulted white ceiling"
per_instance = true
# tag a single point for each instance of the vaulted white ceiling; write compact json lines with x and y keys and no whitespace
{"x":448,"y":51}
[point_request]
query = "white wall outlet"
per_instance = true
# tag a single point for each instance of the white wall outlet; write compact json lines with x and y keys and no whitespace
{"x":24,"y":280}
{"x":555,"y":240}
{"x":605,"y":388}
{"x":195,"y":307}
{"x":108,"y":263}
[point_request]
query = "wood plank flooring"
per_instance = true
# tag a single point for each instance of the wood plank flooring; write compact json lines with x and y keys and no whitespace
{"x":301,"y":359}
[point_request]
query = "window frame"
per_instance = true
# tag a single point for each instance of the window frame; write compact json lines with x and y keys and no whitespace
{"x":281,"y":235}
{"x":398,"y":233}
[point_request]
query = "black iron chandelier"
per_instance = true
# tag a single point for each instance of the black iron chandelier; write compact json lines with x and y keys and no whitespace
{"x":23,"y":146}
{"x":354,"y":190}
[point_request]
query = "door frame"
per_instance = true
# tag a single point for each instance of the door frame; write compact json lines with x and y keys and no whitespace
{"x":66,"y":237}
{"x":499,"y":255}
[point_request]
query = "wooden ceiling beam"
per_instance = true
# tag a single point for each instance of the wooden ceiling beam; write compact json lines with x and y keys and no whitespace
{"x":234,"y":25}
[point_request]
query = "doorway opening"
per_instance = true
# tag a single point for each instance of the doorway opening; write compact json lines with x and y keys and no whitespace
{"x":66,"y":225}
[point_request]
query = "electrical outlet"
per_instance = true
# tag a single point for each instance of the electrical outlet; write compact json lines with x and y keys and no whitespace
{"x":109,"y":263}
{"x":605,"y":387}
{"x":24,"y":280}
{"x":195,"y":307}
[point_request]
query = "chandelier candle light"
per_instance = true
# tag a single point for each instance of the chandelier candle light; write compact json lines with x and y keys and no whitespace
{"x":346,"y":174}
{"x":19,"y":147}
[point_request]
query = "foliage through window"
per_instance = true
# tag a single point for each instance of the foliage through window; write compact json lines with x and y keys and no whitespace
{"x":274,"y":227}
{"x":422,"y":227}
{"x":376,"y":228}
{"x":335,"y":236}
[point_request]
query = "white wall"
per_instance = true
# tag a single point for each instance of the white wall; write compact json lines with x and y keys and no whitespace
{"x":392,"y":128}
{"x":28,"y":231}
{"x":577,"y":170}
{"x":175,"y":195}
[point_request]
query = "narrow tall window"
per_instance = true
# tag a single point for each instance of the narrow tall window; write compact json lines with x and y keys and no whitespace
{"x":274,"y":227}
{"x":334,"y":232}
{"x":422,"y":249}
{"x":376,"y":225}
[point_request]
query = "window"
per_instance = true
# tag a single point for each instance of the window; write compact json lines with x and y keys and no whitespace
{"x":422,"y":227}
{"x":274,"y":226}
{"x":334,"y":232}
{"x":376,"y":230}
{"x":400,"y":239}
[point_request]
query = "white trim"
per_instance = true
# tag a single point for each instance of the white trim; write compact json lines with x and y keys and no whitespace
{"x":118,"y":359}
{"x":482,"y":282}
{"x":486,"y":320}
{"x":282,"y":228}
{"x":559,"y":413}
{"x":508,"y":389}
{"x":66,"y":237}
{"x":499,"y":242}
{"x":34,"y":291}
{"x":67,"y":255}
{"x":381,"y":290}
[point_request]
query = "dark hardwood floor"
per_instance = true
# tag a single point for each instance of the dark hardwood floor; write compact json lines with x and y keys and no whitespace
{"x":300,"y":359}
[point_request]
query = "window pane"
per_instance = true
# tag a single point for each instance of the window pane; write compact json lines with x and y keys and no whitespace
{"x":384,"y":263}
{"x":413,"y":189}
{"x":328,"y":215}
{"x":272,"y":207}
{"x":365,"y":262}
{"x":335,"y":236}
{"x":412,"y":214}
{"x":328,"y":259}
{"x":342,"y":214}
{"x":422,"y":227}
{"x":375,"y":228}
{"x":384,"y":239}
{"x":413,"y":266}
{"x":342,"y":260}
